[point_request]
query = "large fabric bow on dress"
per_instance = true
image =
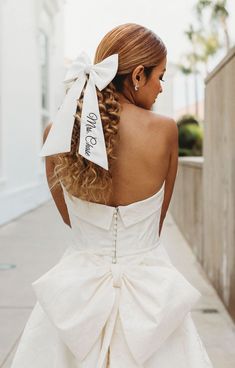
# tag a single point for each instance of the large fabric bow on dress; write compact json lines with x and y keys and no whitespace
{"x":92,"y":143}
{"x":151,"y":299}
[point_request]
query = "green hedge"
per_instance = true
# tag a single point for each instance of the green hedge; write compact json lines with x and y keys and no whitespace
{"x":190,"y":137}
{"x":187,"y":119}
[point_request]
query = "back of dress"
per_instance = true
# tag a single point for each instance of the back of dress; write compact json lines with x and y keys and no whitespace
{"x":114,"y":299}
{"x":115,"y":231}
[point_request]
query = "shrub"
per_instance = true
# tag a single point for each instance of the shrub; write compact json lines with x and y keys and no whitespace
{"x":187,"y":119}
{"x":190,"y":140}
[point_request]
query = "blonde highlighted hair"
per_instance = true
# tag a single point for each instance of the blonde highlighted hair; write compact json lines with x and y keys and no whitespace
{"x":135,"y":45}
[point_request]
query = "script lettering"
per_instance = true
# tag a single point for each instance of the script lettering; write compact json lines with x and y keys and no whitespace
{"x":90,"y":140}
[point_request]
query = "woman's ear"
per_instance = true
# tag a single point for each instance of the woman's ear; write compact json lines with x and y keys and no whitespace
{"x":138,"y":75}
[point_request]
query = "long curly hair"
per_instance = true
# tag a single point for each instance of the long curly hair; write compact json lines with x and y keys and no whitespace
{"x":135,"y":45}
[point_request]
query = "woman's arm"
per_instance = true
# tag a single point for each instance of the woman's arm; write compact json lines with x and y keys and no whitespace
{"x":172,"y":171}
{"x":57,"y":191}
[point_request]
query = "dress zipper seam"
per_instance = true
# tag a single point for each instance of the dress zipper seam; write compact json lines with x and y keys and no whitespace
{"x":114,"y":259}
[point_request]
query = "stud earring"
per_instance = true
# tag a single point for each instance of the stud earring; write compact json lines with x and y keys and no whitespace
{"x":136,"y":87}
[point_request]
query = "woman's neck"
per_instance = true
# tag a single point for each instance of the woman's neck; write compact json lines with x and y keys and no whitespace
{"x":125,"y":99}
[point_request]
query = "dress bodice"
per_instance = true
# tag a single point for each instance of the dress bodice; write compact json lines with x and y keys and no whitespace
{"x":124,"y":229}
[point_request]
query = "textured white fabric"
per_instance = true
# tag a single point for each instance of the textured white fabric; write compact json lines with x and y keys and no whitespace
{"x":92,"y":142}
{"x":92,"y":313}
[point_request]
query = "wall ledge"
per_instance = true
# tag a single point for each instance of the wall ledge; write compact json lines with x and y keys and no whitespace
{"x":193,"y":161}
{"x":222,"y":63}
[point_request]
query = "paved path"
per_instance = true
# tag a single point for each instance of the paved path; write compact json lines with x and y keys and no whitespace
{"x":34,"y":242}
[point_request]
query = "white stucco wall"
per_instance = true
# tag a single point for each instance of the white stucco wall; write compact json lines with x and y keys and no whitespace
{"x":22,"y":180}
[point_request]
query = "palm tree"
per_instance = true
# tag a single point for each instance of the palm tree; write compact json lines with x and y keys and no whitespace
{"x":192,"y":59}
{"x":220,"y":14}
{"x":201,"y":5}
{"x":186,"y":71}
{"x":209,"y":46}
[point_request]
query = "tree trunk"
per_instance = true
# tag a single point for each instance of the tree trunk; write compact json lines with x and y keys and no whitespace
{"x":226,"y":34}
{"x":196,"y":93}
{"x":186,"y":94}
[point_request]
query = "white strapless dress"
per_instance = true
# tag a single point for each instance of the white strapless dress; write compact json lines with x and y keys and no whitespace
{"x":114,"y":299}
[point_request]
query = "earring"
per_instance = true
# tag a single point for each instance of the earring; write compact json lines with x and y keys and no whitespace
{"x":136,"y":87}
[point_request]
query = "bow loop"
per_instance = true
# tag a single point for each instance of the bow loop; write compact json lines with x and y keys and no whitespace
{"x":104,"y":72}
{"x":78,"y":67}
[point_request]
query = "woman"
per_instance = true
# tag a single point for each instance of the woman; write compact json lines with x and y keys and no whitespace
{"x":114,"y":299}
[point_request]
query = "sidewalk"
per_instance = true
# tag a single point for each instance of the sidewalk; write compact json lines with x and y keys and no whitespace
{"x":27,"y":245}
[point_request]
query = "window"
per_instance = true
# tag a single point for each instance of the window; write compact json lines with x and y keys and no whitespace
{"x":44,"y":72}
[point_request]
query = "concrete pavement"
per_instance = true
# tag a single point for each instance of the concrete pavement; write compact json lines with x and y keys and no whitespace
{"x":33,"y":243}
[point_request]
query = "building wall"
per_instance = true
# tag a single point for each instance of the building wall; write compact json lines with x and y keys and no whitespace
{"x":22,"y":118}
{"x":203,"y":203}
{"x":219,"y":180}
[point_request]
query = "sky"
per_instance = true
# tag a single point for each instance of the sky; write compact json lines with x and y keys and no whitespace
{"x":87,"y":21}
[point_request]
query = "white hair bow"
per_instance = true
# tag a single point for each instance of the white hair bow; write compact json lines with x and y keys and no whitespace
{"x":92,"y":142}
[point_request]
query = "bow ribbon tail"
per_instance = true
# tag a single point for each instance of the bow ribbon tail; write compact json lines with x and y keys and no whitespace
{"x":59,"y":137}
{"x":92,"y":142}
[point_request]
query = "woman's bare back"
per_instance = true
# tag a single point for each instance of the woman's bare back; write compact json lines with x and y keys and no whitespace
{"x":143,"y":155}
{"x":147,"y":156}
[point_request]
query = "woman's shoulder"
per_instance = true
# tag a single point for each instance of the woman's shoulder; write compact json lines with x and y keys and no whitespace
{"x":164,"y":123}
{"x":151,"y":115}
{"x":156,"y":118}
{"x":163,"y":130}
{"x":154,"y":123}
{"x":158,"y":122}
